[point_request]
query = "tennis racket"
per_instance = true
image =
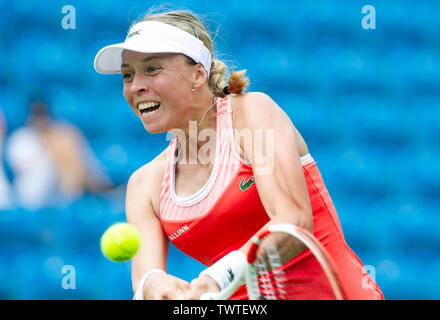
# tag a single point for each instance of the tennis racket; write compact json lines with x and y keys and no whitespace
{"x":274,"y":272}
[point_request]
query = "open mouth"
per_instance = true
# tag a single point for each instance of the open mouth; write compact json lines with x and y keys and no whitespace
{"x":148,"y":108}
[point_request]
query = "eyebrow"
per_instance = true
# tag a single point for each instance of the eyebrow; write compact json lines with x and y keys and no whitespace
{"x":143,"y":60}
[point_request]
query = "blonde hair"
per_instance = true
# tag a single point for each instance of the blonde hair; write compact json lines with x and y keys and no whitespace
{"x":191,"y":23}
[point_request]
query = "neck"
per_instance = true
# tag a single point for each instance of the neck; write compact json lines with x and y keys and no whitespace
{"x":197,"y":142}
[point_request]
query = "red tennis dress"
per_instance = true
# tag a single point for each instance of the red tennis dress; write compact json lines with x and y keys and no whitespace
{"x":227,"y":211}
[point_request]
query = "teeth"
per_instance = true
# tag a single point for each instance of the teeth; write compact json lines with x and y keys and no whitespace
{"x":145,"y":105}
{"x":149,"y":112}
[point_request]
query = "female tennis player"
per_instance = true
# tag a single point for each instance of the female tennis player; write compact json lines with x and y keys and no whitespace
{"x":236,"y":164}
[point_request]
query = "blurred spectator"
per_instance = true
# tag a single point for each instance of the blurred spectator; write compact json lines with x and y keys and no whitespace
{"x":5,"y":188}
{"x":52,"y":161}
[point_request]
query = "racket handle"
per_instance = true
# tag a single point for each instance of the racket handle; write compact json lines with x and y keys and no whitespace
{"x":209,"y":296}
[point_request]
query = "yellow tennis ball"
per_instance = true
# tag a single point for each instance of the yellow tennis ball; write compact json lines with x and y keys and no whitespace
{"x":120,"y":242}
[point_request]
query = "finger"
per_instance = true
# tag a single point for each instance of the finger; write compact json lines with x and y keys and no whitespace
{"x":182,"y":284}
{"x":198,"y":287}
{"x":192,"y":295}
{"x":182,"y":293}
{"x":204,"y":284}
{"x":170,"y":295}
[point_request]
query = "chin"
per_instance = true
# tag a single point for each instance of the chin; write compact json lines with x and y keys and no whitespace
{"x":152,"y":129}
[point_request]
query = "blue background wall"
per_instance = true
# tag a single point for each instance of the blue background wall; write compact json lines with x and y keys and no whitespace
{"x":366,"y":102}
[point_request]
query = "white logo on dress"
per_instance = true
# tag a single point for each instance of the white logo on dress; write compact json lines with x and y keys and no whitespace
{"x":178,"y":233}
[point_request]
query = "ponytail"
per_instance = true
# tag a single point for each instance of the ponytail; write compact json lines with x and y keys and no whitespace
{"x":237,"y":83}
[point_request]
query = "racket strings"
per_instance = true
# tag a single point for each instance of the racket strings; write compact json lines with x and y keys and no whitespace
{"x":279,"y":276}
{"x":252,"y":283}
{"x":303,"y":280}
{"x":271,"y":277}
{"x":266,"y":289}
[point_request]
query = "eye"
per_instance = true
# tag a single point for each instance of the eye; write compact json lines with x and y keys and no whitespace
{"x":152,"y":69}
{"x":126,"y":76}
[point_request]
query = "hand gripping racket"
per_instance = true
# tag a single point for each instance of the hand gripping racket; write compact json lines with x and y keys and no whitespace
{"x":272,"y":273}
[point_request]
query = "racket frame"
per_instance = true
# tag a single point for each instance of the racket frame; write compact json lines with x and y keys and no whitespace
{"x":248,"y":274}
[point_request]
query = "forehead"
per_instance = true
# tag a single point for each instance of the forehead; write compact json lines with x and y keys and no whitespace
{"x":131,"y":57}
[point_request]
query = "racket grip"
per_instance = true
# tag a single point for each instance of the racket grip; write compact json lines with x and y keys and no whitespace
{"x":209,"y":296}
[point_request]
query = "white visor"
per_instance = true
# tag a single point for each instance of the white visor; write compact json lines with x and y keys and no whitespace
{"x":153,"y":37}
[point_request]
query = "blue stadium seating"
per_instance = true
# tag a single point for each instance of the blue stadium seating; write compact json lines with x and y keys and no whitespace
{"x":4,"y":286}
{"x":83,"y":224}
{"x":96,"y":277}
{"x":14,"y":106}
{"x":109,"y":275}
{"x":24,"y":226}
{"x":180,"y":265}
{"x":430,"y":276}
{"x":423,"y":113}
{"x":424,"y":182}
{"x":28,"y":267}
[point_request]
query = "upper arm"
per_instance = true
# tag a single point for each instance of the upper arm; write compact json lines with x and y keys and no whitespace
{"x":273,"y":153}
{"x":153,"y":251}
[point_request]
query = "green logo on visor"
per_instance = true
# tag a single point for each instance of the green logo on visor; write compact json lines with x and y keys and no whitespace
{"x":133,"y":34}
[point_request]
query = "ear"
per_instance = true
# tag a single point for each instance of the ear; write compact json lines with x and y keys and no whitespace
{"x":200,"y":76}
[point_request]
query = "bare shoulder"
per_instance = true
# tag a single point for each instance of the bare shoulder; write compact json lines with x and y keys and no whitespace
{"x":253,"y":101}
{"x":146,"y":181}
{"x":259,"y":110}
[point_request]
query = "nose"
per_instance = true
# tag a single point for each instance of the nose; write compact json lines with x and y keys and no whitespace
{"x":139,"y":84}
